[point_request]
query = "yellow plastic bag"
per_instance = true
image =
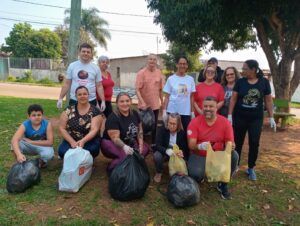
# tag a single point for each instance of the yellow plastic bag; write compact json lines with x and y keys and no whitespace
{"x":218,"y":164}
{"x":176,"y":163}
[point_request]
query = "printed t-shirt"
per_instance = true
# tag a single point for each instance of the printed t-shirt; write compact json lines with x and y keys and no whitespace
{"x":127,"y":125}
{"x":84,"y":75}
{"x":251,"y":97}
{"x":78,"y":126}
{"x":180,"y":89}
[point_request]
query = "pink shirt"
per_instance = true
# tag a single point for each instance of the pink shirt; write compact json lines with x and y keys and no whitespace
{"x":150,"y":84}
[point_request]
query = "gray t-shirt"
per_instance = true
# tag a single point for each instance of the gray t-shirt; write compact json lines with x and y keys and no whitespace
{"x":84,"y":75}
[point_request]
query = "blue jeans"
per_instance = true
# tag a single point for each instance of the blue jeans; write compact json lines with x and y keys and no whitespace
{"x":196,"y":165}
{"x":93,"y":146}
{"x":45,"y":153}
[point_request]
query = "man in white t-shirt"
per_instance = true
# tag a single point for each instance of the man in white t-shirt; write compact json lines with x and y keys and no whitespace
{"x":83,"y":73}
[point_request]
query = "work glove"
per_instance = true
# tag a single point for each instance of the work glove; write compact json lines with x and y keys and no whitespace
{"x":169,"y":152}
{"x":192,"y":114}
{"x":272,"y":123}
{"x":229,"y":117}
{"x":203,"y":146}
{"x":128,"y":150}
{"x":59,"y":103}
{"x":103,"y":106}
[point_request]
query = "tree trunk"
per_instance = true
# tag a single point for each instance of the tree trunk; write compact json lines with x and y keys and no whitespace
{"x":282,"y":78}
{"x":296,"y":76}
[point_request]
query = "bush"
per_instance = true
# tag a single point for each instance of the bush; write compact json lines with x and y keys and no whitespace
{"x":46,"y":81}
{"x":28,"y":77}
{"x":11,"y":78}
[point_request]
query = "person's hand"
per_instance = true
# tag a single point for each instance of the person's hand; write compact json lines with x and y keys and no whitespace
{"x":97,"y":106}
{"x":165,"y":116}
{"x":80,"y":143}
{"x":74,"y":144}
{"x":180,"y":154}
{"x":27,"y":140}
{"x":59,"y":103}
{"x":128,"y":150}
{"x":229,"y":117}
{"x":203,"y":145}
{"x":169,"y":152}
{"x":143,"y":106}
{"x":103,"y":106}
{"x":272,"y":123}
{"x":21,"y":157}
{"x":192,"y":114}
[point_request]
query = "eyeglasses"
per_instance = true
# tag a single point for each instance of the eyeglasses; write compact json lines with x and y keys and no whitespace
{"x":210,"y":72}
{"x":229,"y":74}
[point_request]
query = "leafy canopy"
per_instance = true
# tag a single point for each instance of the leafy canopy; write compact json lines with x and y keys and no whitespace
{"x":23,"y":41}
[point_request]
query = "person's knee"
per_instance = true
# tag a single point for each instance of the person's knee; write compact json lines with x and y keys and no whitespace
{"x":196,"y":173}
{"x":158,"y":157}
{"x":47,"y":154}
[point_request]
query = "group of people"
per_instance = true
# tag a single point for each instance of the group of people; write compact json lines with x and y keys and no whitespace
{"x":221,"y":108}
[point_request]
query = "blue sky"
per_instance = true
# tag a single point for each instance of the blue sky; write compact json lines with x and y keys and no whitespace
{"x":122,"y":43}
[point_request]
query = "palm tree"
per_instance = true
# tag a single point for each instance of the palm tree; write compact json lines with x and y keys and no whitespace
{"x":93,"y":24}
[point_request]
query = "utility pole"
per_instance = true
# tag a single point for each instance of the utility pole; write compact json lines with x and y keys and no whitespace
{"x":74,"y":33}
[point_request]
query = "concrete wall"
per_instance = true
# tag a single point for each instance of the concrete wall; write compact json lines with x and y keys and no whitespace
{"x":36,"y":73}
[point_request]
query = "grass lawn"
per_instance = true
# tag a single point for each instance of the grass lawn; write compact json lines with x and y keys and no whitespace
{"x":272,"y":200}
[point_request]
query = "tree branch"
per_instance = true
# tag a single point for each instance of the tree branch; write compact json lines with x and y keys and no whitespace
{"x":264,"y":41}
{"x":276,"y":24}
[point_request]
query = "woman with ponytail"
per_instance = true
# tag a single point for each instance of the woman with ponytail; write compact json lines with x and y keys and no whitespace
{"x":249,"y":94}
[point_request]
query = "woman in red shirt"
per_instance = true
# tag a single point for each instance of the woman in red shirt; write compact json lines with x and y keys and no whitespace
{"x":208,"y":88}
{"x":107,"y":83}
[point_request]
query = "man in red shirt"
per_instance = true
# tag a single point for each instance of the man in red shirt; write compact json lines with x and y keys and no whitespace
{"x":214,"y":129}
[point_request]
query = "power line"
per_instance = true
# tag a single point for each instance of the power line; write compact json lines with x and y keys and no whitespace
{"x":113,"y":30}
{"x":61,"y":7}
{"x":30,"y":15}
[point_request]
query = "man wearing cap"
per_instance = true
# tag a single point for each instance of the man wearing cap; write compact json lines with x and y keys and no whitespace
{"x":214,"y":63}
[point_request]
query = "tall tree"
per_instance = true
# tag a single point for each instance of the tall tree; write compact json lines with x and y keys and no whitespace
{"x":23,"y":41}
{"x":176,"y":50}
{"x":274,"y":24}
{"x":93,"y":24}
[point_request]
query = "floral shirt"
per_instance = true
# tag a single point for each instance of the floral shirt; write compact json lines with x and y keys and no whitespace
{"x":78,"y":126}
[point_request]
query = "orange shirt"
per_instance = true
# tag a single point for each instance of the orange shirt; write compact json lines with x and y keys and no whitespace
{"x":150,"y":84}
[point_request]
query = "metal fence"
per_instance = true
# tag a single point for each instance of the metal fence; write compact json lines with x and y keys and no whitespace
{"x":35,"y":63}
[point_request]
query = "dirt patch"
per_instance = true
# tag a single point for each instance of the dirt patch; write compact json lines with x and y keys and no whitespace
{"x":277,"y":150}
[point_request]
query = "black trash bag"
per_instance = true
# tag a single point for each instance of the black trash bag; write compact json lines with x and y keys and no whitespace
{"x":148,"y":120}
{"x":183,"y":191}
{"x":23,"y":175}
{"x":130,"y":179}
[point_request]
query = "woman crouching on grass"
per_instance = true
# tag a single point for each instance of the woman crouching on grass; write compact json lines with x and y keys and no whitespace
{"x":123,"y":132}
{"x":80,"y":125}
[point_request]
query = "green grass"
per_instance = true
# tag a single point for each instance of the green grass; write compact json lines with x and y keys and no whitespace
{"x":92,"y":205}
{"x":295,"y":105}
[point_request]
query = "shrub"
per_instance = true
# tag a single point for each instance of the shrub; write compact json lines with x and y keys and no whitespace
{"x":11,"y":78}
{"x":28,"y":77}
{"x":46,"y":81}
